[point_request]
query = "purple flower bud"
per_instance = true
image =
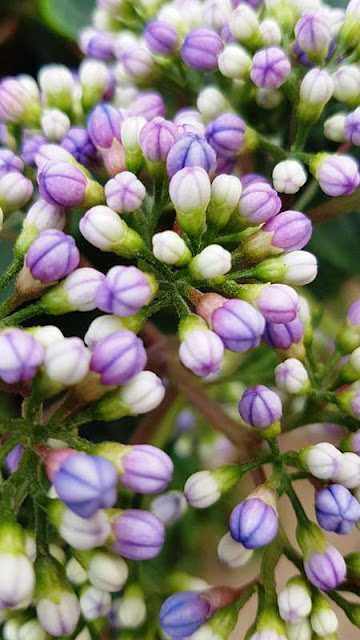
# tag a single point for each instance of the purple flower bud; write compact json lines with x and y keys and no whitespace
{"x":325,"y":570}
{"x":239,"y":325}
{"x":270,"y":68}
{"x":259,"y":202}
{"x":148,"y":105}
{"x":124,"y":193}
{"x":147,"y":469}
{"x":352,"y":127}
{"x":124,"y":291}
{"x":278,"y":303}
{"x":260,"y":407}
{"x":183,"y":613}
{"x":185,"y":421}
{"x":78,"y":142}
{"x":226,"y":134}
{"x":139,"y":534}
{"x":253,"y":523}
{"x":161,"y":37}
{"x":201,"y":48}
{"x":312,"y":33}
{"x":13,"y":458}
{"x":97,"y":44}
{"x":353,"y":314}
{"x":156,"y":139}
{"x":63,"y":184}
{"x":291,"y":230}
{"x":282,"y":336}
{"x":252,"y":178}
{"x":21,"y":355}
{"x":86,"y":484}
{"x":118,"y":357}
{"x":138,"y":63}
{"x":336,"y":509}
{"x":338,"y":175}
{"x":52,"y":152}
{"x":104,"y":125}
{"x":30,"y":147}
{"x":52,"y":256}
{"x":202,"y":351}
{"x":10,"y":162}
{"x":190,"y":150}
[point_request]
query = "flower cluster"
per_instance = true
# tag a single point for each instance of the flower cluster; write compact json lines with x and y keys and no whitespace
{"x":148,"y":153}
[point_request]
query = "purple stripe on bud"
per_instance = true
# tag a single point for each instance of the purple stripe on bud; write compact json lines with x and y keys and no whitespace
{"x":9,"y":162}
{"x":104,"y":125}
{"x":259,"y":202}
{"x":282,"y":336}
{"x":270,"y":68}
{"x":352,"y":127}
{"x":327,"y":570}
{"x":148,"y":105}
{"x":30,"y":147}
{"x":253,"y":523}
{"x":124,"y":193}
{"x":147,"y":469}
{"x":78,"y":142}
{"x":278,"y":303}
{"x":201,"y":49}
{"x":118,"y":357}
{"x":291,"y":230}
{"x":226,"y":134}
{"x":62,"y":183}
{"x":21,"y":355}
{"x":260,"y":407}
{"x":161,"y":37}
{"x":183,"y":613}
{"x":338,"y":175}
{"x":202,"y":351}
{"x":139,"y":534}
{"x":52,"y":256}
{"x":124,"y":291}
{"x":336,"y":509}
{"x":156,"y":139}
{"x":190,"y":150}
{"x":239,"y":325}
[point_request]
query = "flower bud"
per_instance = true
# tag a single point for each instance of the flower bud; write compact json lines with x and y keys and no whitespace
{"x":129,"y":611}
{"x":346,"y":84}
{"x":258,"y":203}
{"x":94,"y":79}
{"x":352,"y":127}
{"x":183,"y":613}
{"x":334,"y":127}
{"x":169,"y":507}
{"x":51,"y":153}
{"x":323,"y":619}
{"x":315,"y":91}
{"x":226,"y":134}
{"x":17,"y":104}
{"x":300,"y":631}
{"x":161,"y":37}
{"x":238,"y":324}
{"x":270,"y":68}
{"x":324,"y":565}
{"x":338,"y":174}
{"x":10,"y":162}
{"x":170,"y":248}
{"x":18,"y":579}
{"x":254,"y":522}
{"x":201,"y":48}
{"x":64,"y":184}
{"x":104,"y":125}
{"x":139,"y":535}
{"x":190,"y":150}
{"x":138,"y":63}
{"x":13,"y":458}
{"x":288,"y":176}
{"x":52,"y":256}
{"x":270,"y":32}
{"x":244,"y":26}
{"x":216,"y":13}
{"x":96,"y":44}
{"x":323,"y":460}
{"x":31,"y":630}
{"x":201,"y":350}
{"x":103,"y":228}
{"x":75,"y":573}
{"x":107,"y":571}
{"x":211,"y":102}
{"x":292,"y":377}
{"x":78,"y":142}
{"x":294,"y":268}
{"x":294,"y":601}
{"x":143,"y":393}
{"x":15,"y":191}
{"x":57,"y":84}
{"x":124,"y":291}
{"x":156,"y":140}
{"x":278,"y":303}
{"x":190,"y":194}
{"x":124,"y":193}
{"x":287,"y":231}
{"x":57,"y":607}
{"x":76,"y":293}
{"x":21,"y":356}
{"x":232,"y":553}
{"x":212,"y":262}
{"x":204,"y":488}
{"x":130,"y":135}
{"x":189,"y":120}
{"x":348,"y":473}
{"x":336,"y":509}
{"x":80,"y":533}
{"x":80,"y":494}
{"x":234,"y":62}
{"x":67,"y":361}
{"x":55,"y":124}
{"x":225,"y":195}
{"x":94,"y":603}
{"x":108,"y":357}
{"x":40,"y":217}
{"x":103,"y":326}
{"x":313,"y":36}
{"x":260,"y":407}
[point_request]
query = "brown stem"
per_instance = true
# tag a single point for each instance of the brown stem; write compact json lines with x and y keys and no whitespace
{"x":334,"y":207}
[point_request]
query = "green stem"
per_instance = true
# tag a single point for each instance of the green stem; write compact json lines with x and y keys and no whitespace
{"x":239,"y":275}
{"x":266,"y":145}
{"x":334,"y":207}
{"x":306,"y":196}
{"x":24,"y":314}
{"x":296,"y":504}
{"x":270,"y":559}
{"x":11,"y":271}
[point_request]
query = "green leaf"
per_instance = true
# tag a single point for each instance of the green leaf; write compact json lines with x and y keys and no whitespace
{"x":67,"y":16}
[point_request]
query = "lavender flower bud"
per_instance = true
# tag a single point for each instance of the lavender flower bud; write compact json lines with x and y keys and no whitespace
{"x":67,"y":361}
{"x":161,"y":37}
{"x":139,"y":535}
{"x":55,"y":124}
{"x":232,"y":553}
{"x":57,"y":84}
{"x":226,"y":134}
{"x":323,"y":460}
{"x":169,"y":507}
{"x":18,"y":579}
{"x":315,"y":91}
{"x":183,"y":613}
{"x":254,"y":522}
{"x":96,"y":44}
{"x":348,"y":473}
{"x":288,"y":176}
{"x":201,"y":350}
{"x":17,"y":104}
{"x":94,"y":603}
{"x":52,"y":256}
{"x":103,"y":228}
{"x":13,"y":458}
{"x":291,"y":230}
{"x":103,"y":326}
{"x":30,"y":147}
{"x":145,"y":469}
{"x":211,"y":102}
{"x":53,"y":153}
{"x":244,"y":26}
{"x":294,"y":601}
{"x":108,"y":358}
{"x":294,"y":268}
{"x":346,"y":84}
{"x":10,"y":162}
{"x":190,"y":194}
{"x":326,"y":570}
{"x":124,"y":193}
{"x":334,"y":127}
{"x":142,"y":394}
{"x":188,"y":117}
{"x":86,"y":483}
{"x":278,"y":303}
{"x":15,"y":191}
{"x":124,"y":291}
{"x":336,"y":509}
{"x":258,"y":203}
{"x":78,"y":142}
{"x":104,"y":125}
{"x":292,"y":377}
{"x":270,"y":32}
{"x":212,"y":262}
{"x":148,"y":105}
{"x":260,"y":407}
{"x":313,"y":36}
{"x":352,"y":127}
{"x":170,"y":248}
{"x":80,"y":533}
{"x":157,"y":138}
{"x":40,"y":217}
{"x":190,"y":150}
{"x":270,"y":68}
{"x":338,"y":175}
{"x":21,"y":356}
{"x":234,"y":62}
{"x":282,"y":336}
{"x":138,"y":63}
{"x":63,"y":184}
{"x":107,"y":572}
{"x":238,"y":324}
{"x":201,"y":48}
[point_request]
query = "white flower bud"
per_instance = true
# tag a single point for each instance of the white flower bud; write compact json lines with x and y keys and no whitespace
{"x":81,"y":286}
{"x":17,"y":579}
{"x":43,"y":216}
{"x":226,"y":191}
{"x":267,"y":98}
{"x":46,"y":335}
{"x":102,"y":227}
{"x":94,"y":78}
{"x":15,"y":191}
{"x":75,"y":573}
{"x":61,"y":617}
{"x":289,"y":176}
{"x":292,"y":377}
{"x":170,"y":248}
{"x":171,"y":15}
{"x":52,"y":152}
{"x":169,"y":507}
{"x":84,"y":533}
{"x":138,"y":63}
{"x":130,"y":132}
{"x":67,"y":361}
{"x":216,"y":13}
{"x":233,"y":553}
{"x":323,"y":460}
{"x":107,"y":572}
{"x":94,"y":603}
{"x":334,"y":127}
{"x":355,"y":359}
{"x":324,"y":622}
{"x":83,"y":635}
{"x":316,"y":87}
{"x":190,"y":191}
{"x":271,"y":32}
{"x":212,"y":262}
{"x":30,"y":547}
{"x":57,"y":84}
{"x":58,"y":553}
{"x":201,"y":490}
{"x":211,"y":102}
{"x":347,"y":84}
{"x":101,"y":327}
{"x":294,"y":601}
{"x":300,"y":631}
{"x":143,"y":393}
{"x":130,"y":610}
{"x":11,"y":629}
{"x":31,"y":630}
{"x":234,"y":62}
{"x":243,"y":23}
{"x":190,"y":117}
{"x":348,"y":473}
{"x":55,"y":124}
{"x":30,"y":84}
{"x":301,"y":268}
